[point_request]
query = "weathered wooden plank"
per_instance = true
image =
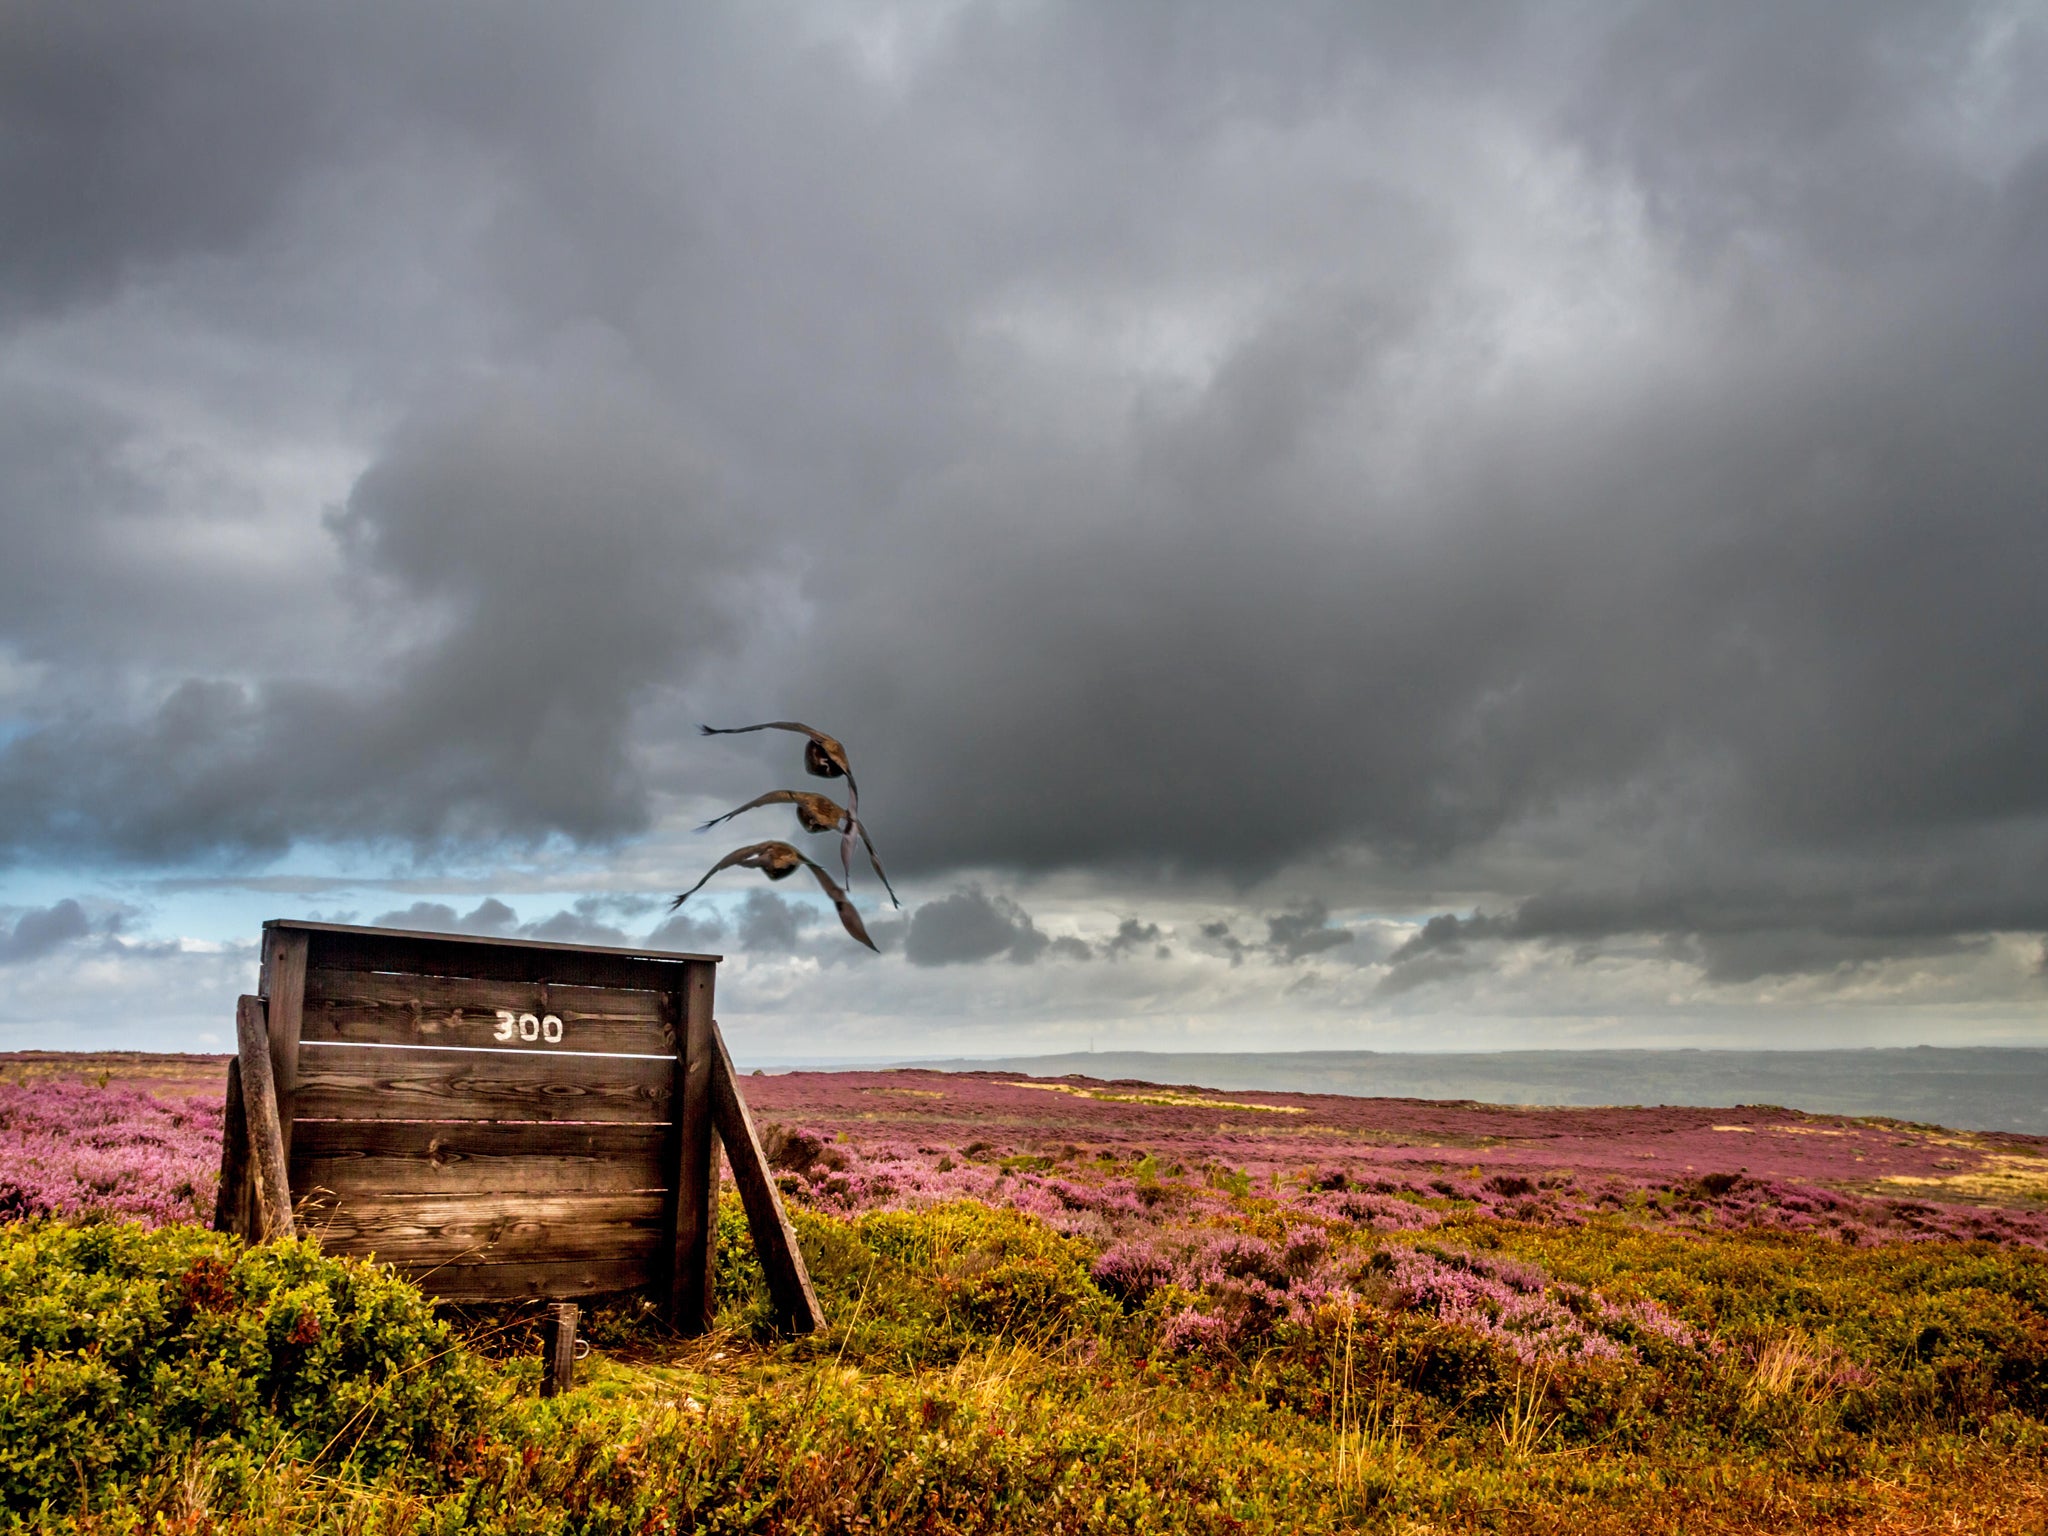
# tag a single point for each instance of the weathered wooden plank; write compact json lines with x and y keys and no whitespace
{"x":231,"y":1200}
{"x":346,"y":1082}
{"x":390,"y":1008}
{"x":273,"y":1202}
{"x":692,"y":1297}
{"x":439,"y":954}
{"x":558,"y":1373}
{"x":489,"y":941}
{"x":281,"y":981}
{"x":789,"y":1282}
{"x":417,"y":1230}
{"x":534,"y":1282}
{"x":401,"y":1157}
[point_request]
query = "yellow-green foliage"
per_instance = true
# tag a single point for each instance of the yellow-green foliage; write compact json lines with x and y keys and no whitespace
{"x":1954,"y":1333}
{"x":923,"y":1287}
{"x":123,"y":1349}
{"x":975,"y":1379}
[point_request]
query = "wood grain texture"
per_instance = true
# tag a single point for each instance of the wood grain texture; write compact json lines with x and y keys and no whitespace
{"x":789,"y":1282}
{"x":477,"y":1157}
{"x":281,"y":982}
{"x":552,"y":1281}
{"x":692,"y":1297}
{"x":231,"y":1199}
{"x":386,"y":1008}
{"x":425,"y":1230}
{"x":338,"y":1082}
{"x":558,"y":1369}
{"x":374,"y":949}
{"x":272,"y":1206}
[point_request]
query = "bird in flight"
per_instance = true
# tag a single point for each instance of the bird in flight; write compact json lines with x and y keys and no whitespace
{"x":824,"y":758}
{"x":820,"y":813}
{"x":778,"y":861}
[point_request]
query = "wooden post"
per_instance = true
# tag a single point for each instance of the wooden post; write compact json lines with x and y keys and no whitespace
{"x":692,"y":1298}
{"x":231,"y":1202}
{"x":282,"y":983}
{"x":713,"y":1181}
{"x":789,"y":1283}
{"x":273,"y":1205}
{"x":558,"y":1344}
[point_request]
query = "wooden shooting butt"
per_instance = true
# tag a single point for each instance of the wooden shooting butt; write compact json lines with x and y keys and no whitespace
{"x":500,"y":1120}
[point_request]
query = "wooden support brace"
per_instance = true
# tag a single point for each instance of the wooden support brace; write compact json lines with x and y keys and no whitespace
{"x":281,"y":981}
{"x":692,"y":1298}
{"x":789,"y":1283}
{"x":558,"y":1343}
{"x":272,"y":1212}
{"x":231,"y":1201}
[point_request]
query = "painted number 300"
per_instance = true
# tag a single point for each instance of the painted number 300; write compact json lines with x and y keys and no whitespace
{"x":527,"y":1026}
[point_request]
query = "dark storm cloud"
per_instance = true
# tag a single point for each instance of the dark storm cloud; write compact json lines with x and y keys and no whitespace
{"x":62,"y":488}
{"x":1799,"y":920}
{"x":490,"y":916}
{"x":1447,"y":933}
{"x":572,"y":927}
{"x":429,"y":917}
{"x":1810,"y":129}
{"x":1303,"y":932}
{"x":1758,"y":953}
{"x":1215,"y":938}
{"x":1132,"y":935}
{"x":108,"y":117}
{"x":565,"y":558}
{"x":769,"y":925}
{"x":1781,"y":591}
{"x":132,"y":136}
{"x":575,"y":924}
{"x":1910,"y":895}
{"x":689,"y":934}
{"x":1166,"y":444}
{"x":1428,"y":970}
{"x":972,"y":925}
{"x":39,"y":930}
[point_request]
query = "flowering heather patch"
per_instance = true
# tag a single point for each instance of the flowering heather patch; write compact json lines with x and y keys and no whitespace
{"x":1149,"y":1096}
{"x":1238,"y":1286}
{"x":1519,"y":1308}
{"x":1155,"y":1311}
{"x":1107,"y":1160}
{"x":78,"y":1149}
{"x":167,"y":1074}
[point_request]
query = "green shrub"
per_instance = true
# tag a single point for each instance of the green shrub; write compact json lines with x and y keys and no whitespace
{"x":742,"y":1284}
{"x":924,"y":1286}
{"x":122,"y":1349}
{"x":974,"y":1378}
{"x":1920,"y":1332}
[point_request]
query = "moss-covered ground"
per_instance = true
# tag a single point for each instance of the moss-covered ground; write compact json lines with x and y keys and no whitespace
{"x":985,"y":1372}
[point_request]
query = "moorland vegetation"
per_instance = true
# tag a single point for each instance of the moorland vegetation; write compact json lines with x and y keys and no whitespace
{"x":1081,"y":1307}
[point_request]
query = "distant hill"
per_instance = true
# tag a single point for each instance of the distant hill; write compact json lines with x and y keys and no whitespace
{"x":1984,"y":1089}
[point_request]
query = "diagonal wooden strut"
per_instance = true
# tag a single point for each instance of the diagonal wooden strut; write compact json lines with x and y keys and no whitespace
{"x":231,"y":1200}
{"x":271,"y":1210}
{"x":789,"y":1283}
{"x":501,"y":1121}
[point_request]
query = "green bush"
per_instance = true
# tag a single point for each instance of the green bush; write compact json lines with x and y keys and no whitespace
{"x":123,"y":1349}
{"x":742,"y":1284}
{"x":972,"y":1377}
{"x":1947,"y":1332}
{"x":925,"y":1286}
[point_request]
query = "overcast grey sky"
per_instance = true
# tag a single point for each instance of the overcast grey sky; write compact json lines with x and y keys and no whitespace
{"x":1319,"y":524}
